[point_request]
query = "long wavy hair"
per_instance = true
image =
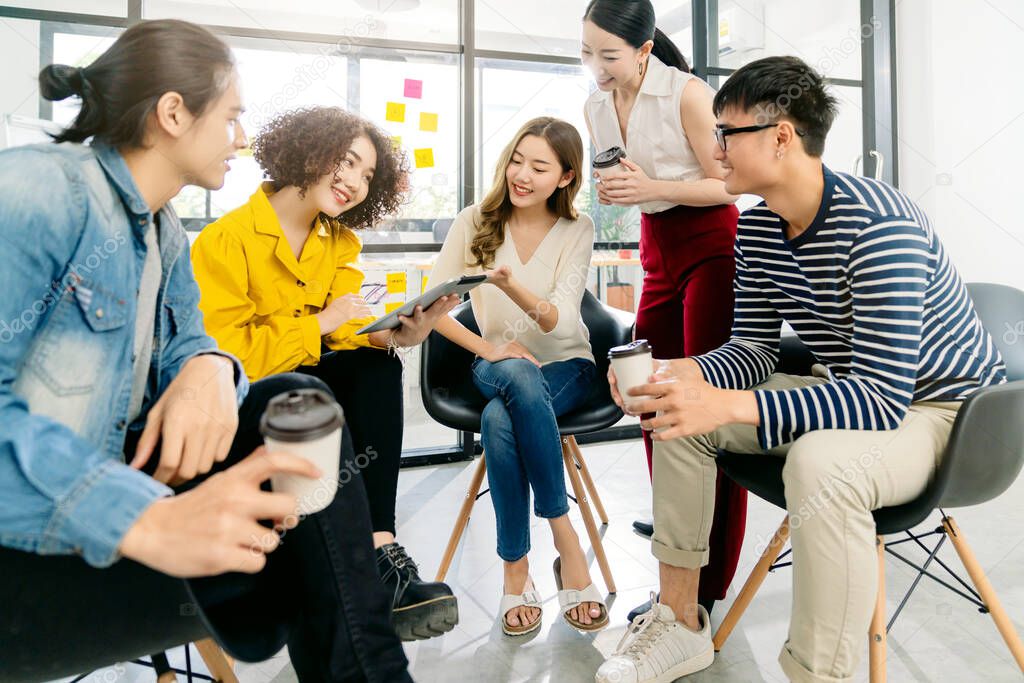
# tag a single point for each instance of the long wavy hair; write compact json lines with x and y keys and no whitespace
{"x":496,"y":208}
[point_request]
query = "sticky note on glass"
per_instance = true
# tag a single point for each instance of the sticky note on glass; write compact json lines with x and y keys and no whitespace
{"x":396,"y":283}
{"x":244,"y":152}
{"x":424,"y":157}
{"x":413,"y":88}
{"x":428,"y":122}
{"x":395,"y":112}
{"x":392,"y":306}
{"x":396,"y":141}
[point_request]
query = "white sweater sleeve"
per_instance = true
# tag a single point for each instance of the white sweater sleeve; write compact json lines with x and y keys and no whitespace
{"x":571,"y":279}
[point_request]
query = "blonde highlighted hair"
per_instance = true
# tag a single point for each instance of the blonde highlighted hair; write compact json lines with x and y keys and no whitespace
{"x":496,"y":207}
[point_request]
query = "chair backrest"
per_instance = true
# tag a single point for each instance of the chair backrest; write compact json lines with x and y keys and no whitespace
{"x":1001,"y":309}
{"x":446,"y":384}
{"x":985,"y":453}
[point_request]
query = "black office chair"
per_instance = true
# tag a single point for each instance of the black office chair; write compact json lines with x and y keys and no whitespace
{"x":61,"y":617}
{"x":982,"y":459}
{"x":451,"y":398}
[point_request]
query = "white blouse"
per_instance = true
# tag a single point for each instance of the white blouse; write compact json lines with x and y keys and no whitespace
{"x":656,"y":141}
{"x":556,"y":272}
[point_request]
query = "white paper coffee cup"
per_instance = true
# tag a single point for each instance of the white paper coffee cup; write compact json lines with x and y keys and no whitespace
{"x":306,"y":423}
{"x":633,"y":364}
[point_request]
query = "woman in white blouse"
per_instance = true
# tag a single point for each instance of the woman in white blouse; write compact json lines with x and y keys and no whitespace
{"x":649,"y":104}
{"x":534,"y":361}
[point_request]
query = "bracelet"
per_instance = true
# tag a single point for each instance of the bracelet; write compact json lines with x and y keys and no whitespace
{"x":400,"y":352}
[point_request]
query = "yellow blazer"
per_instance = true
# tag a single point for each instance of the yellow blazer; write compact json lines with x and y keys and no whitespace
{"x":259,"y":303}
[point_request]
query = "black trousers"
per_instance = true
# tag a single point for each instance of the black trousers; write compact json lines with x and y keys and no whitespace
{"x":319,"y":592}
{"x":368,"y":385}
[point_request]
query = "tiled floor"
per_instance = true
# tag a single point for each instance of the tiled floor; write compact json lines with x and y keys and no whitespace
{"x":939,"y":636}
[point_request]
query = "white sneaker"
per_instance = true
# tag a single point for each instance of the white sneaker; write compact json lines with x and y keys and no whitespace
{"x":659,"y":649}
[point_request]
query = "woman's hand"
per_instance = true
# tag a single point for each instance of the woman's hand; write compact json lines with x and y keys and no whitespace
{"x":417,"y":327}
{"x":628,"y":187}
{"x":509,"y":350}
{"x":340,"y":311}
{"x":500,"y":277}
{"x":214,"y":528}
{"x":195,"y":421}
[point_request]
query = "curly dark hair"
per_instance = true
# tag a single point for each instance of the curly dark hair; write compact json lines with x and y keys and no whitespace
{"x":301,"y":146}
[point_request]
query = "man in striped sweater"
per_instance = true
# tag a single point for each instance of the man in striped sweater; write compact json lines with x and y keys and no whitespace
{"x":854,"y":267}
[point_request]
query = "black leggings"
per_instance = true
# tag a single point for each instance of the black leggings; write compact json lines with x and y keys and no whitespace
{"x":368,"y":385}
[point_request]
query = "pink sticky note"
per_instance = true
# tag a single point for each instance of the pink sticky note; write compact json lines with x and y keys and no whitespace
{"x":413,"y":88}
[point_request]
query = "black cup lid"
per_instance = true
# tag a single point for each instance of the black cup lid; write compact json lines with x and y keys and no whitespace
{"x":609,"y":157}
{"x":632,"y":349}
{"x":301,"y":415}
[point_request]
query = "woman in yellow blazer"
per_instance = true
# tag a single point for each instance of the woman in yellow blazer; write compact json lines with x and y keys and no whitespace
{"x":280,"y":290}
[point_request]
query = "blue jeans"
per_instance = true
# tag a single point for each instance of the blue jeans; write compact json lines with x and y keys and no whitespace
{"x":521,"y":443}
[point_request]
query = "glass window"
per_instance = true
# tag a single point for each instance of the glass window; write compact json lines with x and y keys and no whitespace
{"x":117,"y":8}
{"x":425,"y":123}
{"x":430,"y":21}
{"x":510,"y":94}
{"x":274,"y":81}
{"x":408,"y":272}
{"x":513,"y":27}
{"x":828,"y":41}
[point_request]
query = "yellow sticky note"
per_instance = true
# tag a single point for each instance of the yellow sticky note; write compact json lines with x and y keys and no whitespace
{"x":423,"y":284}
{"x":396,"y":112}
{"x":428,"y":122}
{"x":392,"y":306}
{"x":244,"y":152}
{"x":424,"y":157}
{"x":396,"y":283}
{"x":396,"y":140}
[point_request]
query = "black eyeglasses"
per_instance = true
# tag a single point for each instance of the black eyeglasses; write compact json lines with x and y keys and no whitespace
{"x":722,"y":133}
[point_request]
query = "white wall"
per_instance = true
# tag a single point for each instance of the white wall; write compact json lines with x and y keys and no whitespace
{"x":961,"y":128}
{"x":19,"y":89}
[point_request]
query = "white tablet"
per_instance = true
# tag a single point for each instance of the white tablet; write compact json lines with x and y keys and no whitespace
{"x":457,"y":285}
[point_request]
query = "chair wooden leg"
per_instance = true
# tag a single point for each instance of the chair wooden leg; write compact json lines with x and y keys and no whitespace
{"x":219,"y":664}
{"x":750,"y":588}
{"x":463,"y":519}
{"x":588,"y":516}
{"x":988,"y":595}
{"x":587,"y":480}
{"x":876,"y":633}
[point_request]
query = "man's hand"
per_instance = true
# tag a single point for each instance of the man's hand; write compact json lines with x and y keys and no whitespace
{"x":686,"y":405}
{"x":214,"y":528}
{"x":195,"y":419}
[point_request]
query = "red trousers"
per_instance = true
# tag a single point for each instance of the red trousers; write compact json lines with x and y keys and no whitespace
{"x":685,"y":310}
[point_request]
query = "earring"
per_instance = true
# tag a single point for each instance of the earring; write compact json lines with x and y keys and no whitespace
{"x":778,"y":154}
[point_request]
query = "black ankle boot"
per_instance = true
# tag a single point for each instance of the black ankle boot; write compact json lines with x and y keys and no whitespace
{"x":420,"y":609}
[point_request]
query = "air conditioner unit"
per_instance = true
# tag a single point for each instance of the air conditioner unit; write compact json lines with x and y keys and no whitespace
{"x":740,"y":29}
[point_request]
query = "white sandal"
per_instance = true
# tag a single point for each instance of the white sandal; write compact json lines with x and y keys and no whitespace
{"x":528,"y":598}
{"x":570,"y":599}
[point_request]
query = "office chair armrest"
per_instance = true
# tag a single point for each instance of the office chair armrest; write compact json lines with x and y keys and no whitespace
{"x":986,"y":447}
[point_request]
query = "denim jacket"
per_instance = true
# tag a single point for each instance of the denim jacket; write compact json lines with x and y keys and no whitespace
{"x":72,"y":223}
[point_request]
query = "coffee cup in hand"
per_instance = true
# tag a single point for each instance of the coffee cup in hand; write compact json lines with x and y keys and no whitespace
{"x":633,"y":365}
{"x":306,"y":423}
{"x":607,"y":162}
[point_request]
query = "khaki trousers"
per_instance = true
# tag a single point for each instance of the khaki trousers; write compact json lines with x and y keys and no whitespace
{"x":834,"y":478}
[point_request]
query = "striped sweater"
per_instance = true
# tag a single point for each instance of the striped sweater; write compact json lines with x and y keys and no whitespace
{"x":869,"y":290}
